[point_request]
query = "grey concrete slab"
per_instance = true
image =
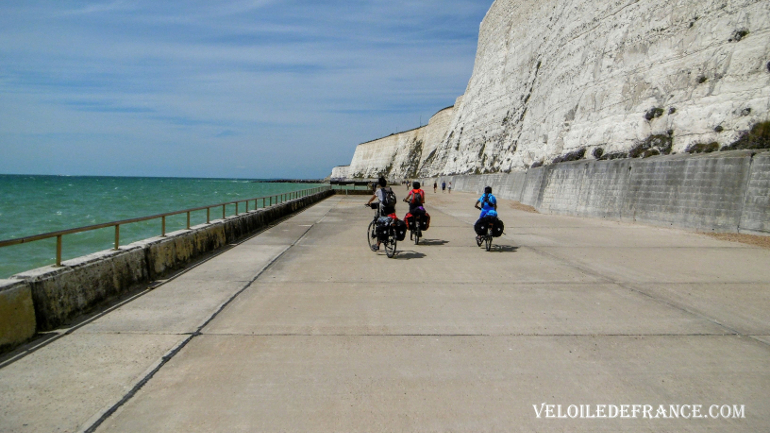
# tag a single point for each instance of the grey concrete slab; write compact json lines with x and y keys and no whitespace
{"x":243,"y":263}
{"x":672,"y":265}
{"x":62,"y":386}
{"x":763,"y":338}
{"x":613,"y":237}
{"x":179,"y":306}
{"x":451,"y":309}
{"x":458,"y":384}
{"x":316,"y":212}
{"x":743,"y":307}
{"x":282,"y":234}
{"x":422,"y":264}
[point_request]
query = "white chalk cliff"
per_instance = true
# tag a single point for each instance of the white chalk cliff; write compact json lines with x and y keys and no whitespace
{"x":558,"y":77}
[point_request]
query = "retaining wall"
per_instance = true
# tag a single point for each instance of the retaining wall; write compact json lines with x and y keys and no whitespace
{"x":724,"y":191}
{"x":48,"y":297}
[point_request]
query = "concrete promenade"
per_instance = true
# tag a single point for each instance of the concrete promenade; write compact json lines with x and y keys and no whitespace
{"x":303,"y":329}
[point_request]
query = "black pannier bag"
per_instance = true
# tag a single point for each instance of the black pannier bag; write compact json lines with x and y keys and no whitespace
{"x":480,"y":227}
{"x":383,"y":225}
{"x":401,"y":230}
{"x":425,"y":222}
{"x":498,"y":228}
{"x":483,"y":223}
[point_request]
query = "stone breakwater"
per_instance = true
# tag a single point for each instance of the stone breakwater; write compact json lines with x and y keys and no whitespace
{"x":556,"y":81}
{"x":45,"y":298}
{"x":722,"y":192}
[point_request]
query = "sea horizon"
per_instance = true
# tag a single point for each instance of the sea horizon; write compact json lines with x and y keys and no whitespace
{"x":164,"y":177}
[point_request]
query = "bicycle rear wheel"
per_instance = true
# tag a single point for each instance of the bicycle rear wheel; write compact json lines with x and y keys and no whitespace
{"x":390,"y":245}
{"x":489,"y":239}
{"x":371,"y":235}
{"x":417,"y":235}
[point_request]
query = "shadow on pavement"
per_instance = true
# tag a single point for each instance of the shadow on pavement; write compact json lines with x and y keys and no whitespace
{"x":430,"y":242}
{"x":503,"y":249}
{"x":408,"y":255}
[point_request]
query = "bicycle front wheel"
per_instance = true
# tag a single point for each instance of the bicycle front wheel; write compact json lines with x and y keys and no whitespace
{"x":371,"y":235}
{"x":390,"y":245}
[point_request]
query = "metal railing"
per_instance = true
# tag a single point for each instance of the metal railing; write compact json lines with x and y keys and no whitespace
{"x":266,"y":202}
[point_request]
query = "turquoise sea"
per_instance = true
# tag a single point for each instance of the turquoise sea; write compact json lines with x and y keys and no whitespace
{"x":32,"y":204}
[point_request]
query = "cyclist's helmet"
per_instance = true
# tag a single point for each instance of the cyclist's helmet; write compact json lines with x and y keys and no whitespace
{"x":416,"y":185}
{"x":487,"y":190}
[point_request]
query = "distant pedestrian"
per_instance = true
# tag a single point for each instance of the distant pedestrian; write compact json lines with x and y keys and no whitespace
{"x":435,"y":185}
{"x":443,"y":187}
{"x":450,"y":187}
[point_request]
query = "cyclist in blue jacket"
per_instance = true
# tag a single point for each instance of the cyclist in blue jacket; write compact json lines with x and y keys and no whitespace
{"x":487,"y":203}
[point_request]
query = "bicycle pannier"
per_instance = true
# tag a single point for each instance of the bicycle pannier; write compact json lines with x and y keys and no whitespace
{"x":400,"y":230}
{"x":498,"y":228}
{"x":425,"y":222}
{"x":383,"y":226}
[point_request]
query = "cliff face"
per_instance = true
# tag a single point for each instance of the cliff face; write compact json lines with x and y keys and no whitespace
{"x":553,"y":77}
{"x":616,"y":78}
{"x":399,"y":155}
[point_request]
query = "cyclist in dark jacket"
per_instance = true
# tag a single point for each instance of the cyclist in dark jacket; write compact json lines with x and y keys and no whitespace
{"x":380,"y":195}
{"x":385,"y":211}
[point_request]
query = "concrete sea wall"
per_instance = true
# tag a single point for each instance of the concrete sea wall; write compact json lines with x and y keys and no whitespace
{"x":725,"y":191}
{"x":48,"y":297}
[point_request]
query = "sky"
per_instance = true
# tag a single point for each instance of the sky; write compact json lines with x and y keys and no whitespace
{"x":228,"y":89}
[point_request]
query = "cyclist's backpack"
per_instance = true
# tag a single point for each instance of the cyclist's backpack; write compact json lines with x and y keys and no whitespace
{"x":388,"y":198}
{"x":485,"y":200}
{"x":416,"y":199}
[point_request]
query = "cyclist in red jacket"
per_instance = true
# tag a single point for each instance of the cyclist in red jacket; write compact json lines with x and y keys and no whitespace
{"x":416,"y":200}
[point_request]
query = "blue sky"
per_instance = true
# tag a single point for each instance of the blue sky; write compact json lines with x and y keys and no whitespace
{"x":236,"y":88}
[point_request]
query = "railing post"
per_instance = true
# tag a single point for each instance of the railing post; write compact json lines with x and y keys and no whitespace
{"x":236,"y":208}
{"x":188,"y":220}
{"x":117,"y":236}
{"x":224,"y":206}
{"x":247,"y":206}
{"x":163,"y":225}
{"x":208,"y":215}
{"x":58,"y":250}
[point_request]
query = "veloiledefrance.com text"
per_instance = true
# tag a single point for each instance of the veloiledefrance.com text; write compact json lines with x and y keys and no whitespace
{"x":648,"y":411}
